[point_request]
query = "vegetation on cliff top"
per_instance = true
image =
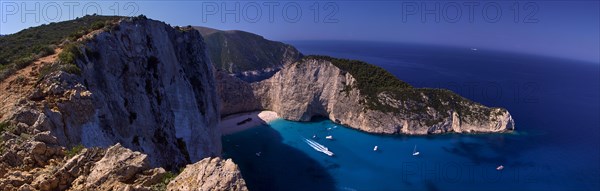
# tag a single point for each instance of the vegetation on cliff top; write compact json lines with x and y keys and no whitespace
{"x":373,"y":80}
{"x":19,"y":50}
{"x":239,"y":51}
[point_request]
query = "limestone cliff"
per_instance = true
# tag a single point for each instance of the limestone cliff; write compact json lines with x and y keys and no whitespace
{"x":141,"y":83}
{"x":235,"y":94}
{"x":317,"y":87}
{"x":137,"y":93}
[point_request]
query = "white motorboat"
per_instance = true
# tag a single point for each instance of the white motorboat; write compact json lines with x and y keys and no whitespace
{"x":375,"y":148}
{"x":318,"y":147}
{"x":329,"y":137}
{"x":415,"y":152}
{"x":500,"y":167}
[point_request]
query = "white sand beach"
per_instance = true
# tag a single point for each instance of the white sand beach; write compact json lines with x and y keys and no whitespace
{"x":230,"y":125}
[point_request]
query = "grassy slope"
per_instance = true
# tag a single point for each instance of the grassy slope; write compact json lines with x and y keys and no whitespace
{"x":245,"y":50}
{"x":20,"y":49}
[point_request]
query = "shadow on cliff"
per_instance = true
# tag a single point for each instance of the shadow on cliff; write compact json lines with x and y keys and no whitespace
{"x":279,"y":166}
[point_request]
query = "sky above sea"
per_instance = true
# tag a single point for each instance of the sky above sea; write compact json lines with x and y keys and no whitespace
{"x":567,"y":29}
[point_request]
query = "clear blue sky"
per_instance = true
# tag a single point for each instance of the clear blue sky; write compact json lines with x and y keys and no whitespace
{"x":568,"y":29}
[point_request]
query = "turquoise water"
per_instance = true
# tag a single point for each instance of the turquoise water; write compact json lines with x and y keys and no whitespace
{"x":555,"y":104}
{"x":455,"y":161}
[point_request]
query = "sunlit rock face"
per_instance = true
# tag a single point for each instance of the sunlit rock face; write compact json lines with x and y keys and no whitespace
{"x":314,"y":87}
{"x":143,"y":84}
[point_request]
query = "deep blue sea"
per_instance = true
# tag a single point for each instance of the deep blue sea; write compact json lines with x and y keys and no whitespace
{"x":555,"y":104}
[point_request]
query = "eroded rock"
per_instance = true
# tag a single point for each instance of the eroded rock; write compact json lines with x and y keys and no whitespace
{"x":209,"y":174}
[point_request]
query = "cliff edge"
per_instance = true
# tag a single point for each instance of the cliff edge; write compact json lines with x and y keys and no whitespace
{"x":370,"y":99}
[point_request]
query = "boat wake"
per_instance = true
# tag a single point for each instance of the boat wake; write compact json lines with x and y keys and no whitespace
{"x":318,"y":147}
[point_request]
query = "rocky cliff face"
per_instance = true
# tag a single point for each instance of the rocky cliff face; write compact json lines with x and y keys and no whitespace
{"x":144,"y":93}
{"x":235,"y":94}
{"x":316,"y":87}
{"x":153,"y":90}
{"x":143,"y":84}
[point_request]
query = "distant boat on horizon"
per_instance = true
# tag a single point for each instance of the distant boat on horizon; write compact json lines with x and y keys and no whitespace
{"x":376,"y":148}
{"x":415,"y":152}
{"x":474,"y":49}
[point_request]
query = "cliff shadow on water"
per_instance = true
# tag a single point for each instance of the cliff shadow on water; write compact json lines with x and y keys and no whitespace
{"x":278,"y":166}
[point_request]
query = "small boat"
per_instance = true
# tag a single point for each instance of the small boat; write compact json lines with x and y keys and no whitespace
{"x":319,"y":147}
{"x":329,"y":137}
{"x":474,"y":49}
{"x":500,"y":167}
{"x":329,"y":128}
{"x":415,"y":152}
{"x":314,"y":136}
{"x":375,"y":149}
{"x":258,"y":154}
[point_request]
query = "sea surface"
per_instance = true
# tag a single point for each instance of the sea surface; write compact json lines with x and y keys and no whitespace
{"x":554,"y":102}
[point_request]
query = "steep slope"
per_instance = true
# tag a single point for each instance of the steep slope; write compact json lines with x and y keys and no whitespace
{"x":236,"y":95}
{"x":142,"y":91}
{"x":248,"y":56}
{"x":22,"y":48}
{"x":140,"y":83}
{"x":370,"y":99}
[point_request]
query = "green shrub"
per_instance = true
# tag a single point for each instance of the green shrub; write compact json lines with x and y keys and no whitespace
{"x":70,"y":53}
{"x":74,"y":151}
{"x":5,"y":126}
{"x":162,"y":185}
{"x":46,"y":51}
{"x":6,"y":72}
{"x":23,"y":62}
{"x":71,"y":69}
{"x":98,"y":25}
{"x":18,"y":48}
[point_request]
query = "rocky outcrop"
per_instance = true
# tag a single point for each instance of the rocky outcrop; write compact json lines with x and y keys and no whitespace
{"x":316,"y":87}
{"x":38,"y":163}
{"x":119,"y":169}
{"x":236,"y":95}
{"x":209,"y":174}
{"x":248,"y":56}
{"x":142,"y":84}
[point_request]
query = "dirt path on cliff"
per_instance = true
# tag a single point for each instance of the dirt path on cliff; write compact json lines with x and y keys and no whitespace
{"x":21,"y":83}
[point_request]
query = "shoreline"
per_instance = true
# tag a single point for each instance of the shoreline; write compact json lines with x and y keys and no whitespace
{"x":239,"y":122}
